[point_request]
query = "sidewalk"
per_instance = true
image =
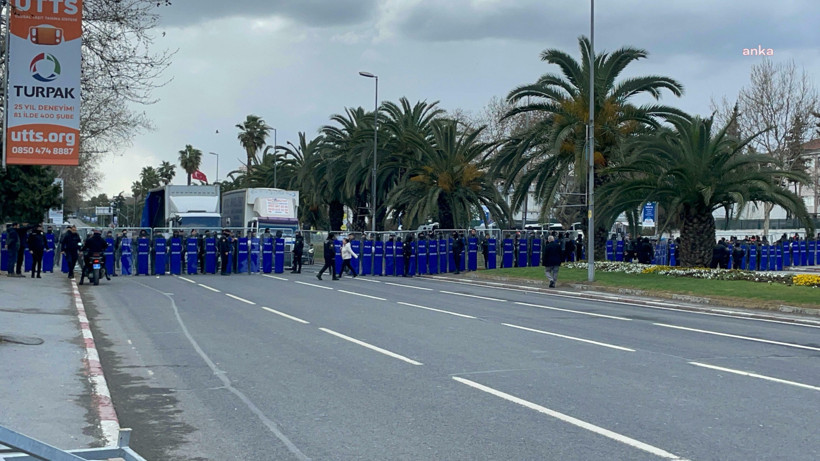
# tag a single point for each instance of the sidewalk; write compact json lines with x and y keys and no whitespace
{"x":45,"y":391}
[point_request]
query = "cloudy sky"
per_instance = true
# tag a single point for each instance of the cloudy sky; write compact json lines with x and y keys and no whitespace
{"x":296,"y":62}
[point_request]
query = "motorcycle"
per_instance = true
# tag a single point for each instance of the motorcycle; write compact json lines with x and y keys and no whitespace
{"x":94,"y":268}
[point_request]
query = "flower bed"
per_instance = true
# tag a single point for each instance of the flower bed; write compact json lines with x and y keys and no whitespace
{"x":703,"y":273}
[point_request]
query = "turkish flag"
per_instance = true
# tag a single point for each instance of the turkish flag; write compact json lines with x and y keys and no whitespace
{"x":200,"y":176}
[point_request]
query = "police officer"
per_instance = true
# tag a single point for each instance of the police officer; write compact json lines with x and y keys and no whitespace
{"x":407,"y":252}
{"x":330,"y":257}
{"x":298,"y":250}
{"x":93,"y":244}
{"x":458,"y":248}
{"x":225,"y":248}
{"x":69,"y":247}
{"x":37,"y":245}
{"x":12,"y":246}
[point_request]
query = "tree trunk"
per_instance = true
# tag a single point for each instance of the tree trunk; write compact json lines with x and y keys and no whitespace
{"x":697,"y":237}
{"x":189,"y":179}
{"x":445,"y":213}
{"x":336,"y":214}
{"x":767,"y":211}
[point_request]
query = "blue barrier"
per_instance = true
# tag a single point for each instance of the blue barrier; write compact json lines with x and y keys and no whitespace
{"x":535,"y":258}
{"x":492,"y":250}
{"x":367,"y":258}
{"x":378,"y":257}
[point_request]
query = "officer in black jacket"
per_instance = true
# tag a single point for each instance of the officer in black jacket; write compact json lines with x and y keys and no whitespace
{"x":458,"y":248}
{"x":37,"y":245}
{"x":12,"y":246}
{"x":93,"y":244}
{"x":298,"y":251}
{"x":330,"y":257}
{"x":69,"y":246}
{"x":225,"y":248}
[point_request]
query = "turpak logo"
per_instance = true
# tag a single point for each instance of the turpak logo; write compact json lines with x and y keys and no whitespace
{"x":45,"y":67}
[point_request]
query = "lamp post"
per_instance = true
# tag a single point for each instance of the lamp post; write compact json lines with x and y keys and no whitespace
{"x":375,"y":146}
{"x":274,"y":159}
{"x":591,"y":150}
{"x":217,"y":165}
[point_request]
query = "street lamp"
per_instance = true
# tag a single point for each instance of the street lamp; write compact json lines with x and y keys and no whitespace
{"x":591,"y":150}
{"x":217,"y":165}
{"x":274,"y":158}
{"x":375,"y":146}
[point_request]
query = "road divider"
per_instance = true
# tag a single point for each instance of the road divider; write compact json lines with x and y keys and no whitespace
{"x":472,"y":296}
{"x":437,"y":310}
{"x":209,"y":288}
{"x":362,"y":295}
{"x":240,"y":299}
{"x":745,"y":338}
{"x":371,"y":347}
{"x":287,"y":316}
{"x":588,"y":341}
{"x":755,"y":375}
{"x":592,"y":314}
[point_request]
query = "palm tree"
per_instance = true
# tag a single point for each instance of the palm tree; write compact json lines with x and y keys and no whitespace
{"x":166,"y":172}
{"x":552,"y":147}
{"x":692,"y":171}
{"x":253,"y":133}
{"x":447,"y":181}
{"x":189,"y":160}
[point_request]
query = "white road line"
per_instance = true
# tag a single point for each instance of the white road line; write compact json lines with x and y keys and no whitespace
{"x":359,"y":294}
{"x":574,"y":312}
{"x":314,"y":285}
{"x":755,"y":375}
{"x":295,"y":319}
{"x":408,"y":286}
{"x":274,"y":277}
{"x":371,"y":347}
{"x":473,"y":296}
{"x":437,"y":310}
{"x":571,"y":337}
{"x":574,"y":421}
{"x":240,"y":299}
{"x":362,"y":279}
{"x":209,"y":288}
{"x":747,"y":338}
{"x":187,"y":280}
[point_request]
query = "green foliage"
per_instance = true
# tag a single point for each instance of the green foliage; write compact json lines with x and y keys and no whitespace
{"x":253,"y":133}
{"x":27,"y":193}
{"x":189,"y":159}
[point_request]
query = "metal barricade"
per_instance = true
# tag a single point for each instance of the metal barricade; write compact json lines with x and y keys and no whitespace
{"x":30,"y":449}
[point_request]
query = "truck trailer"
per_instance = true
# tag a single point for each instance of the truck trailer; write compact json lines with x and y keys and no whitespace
{"x":261,"y":208}
{"x":182,"y":206}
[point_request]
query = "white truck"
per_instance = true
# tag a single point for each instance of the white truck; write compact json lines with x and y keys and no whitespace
{"x":182,"y":206}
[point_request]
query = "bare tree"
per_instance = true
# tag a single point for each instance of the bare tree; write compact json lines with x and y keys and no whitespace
{"x":778,"y":101}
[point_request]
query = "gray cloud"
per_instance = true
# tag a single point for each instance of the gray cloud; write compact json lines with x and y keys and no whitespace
{"x":322,"y":13}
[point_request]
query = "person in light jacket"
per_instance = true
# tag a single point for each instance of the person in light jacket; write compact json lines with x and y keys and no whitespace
{"x":347,"y":254}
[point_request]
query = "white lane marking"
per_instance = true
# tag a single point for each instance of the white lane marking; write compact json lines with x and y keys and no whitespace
{"x":472,"y":296}
{"x":575,"y":312}
{"x":367,"y":280}
{"x":437,"y":310}
{"x":408,"y":286}
{"x":359,"y":294}
{"x":240,"y":299}
{"x":313,"y":285}
{"x":755,"y":375}
{"x":186,"y":279}
{"x":296,"y":319}
{"x":571,"y":337}
{"x":274,"y":277}
{"x":574,"y":421}
{"x":747,"y":338}
{"x":371,"y":347}
{"x":209,"y":288}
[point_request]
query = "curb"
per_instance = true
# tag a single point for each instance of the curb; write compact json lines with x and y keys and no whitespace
{"x":698,"y":304}
{"x":100,"y":396}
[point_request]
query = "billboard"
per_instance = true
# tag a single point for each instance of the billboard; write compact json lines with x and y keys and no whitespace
{"x":44,"y":61}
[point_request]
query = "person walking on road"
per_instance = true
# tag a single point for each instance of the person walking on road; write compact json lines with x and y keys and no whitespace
{"x":407,"y":254}
{"x":458,"y":248}
{"x":330,"y":257}
{"x":552,"y":260}
{"x":69,"y":247}
{"x":225,"y":249}
{"x":347,"y":255}
{"x":37,"y":245}
{"x":298,"y":251}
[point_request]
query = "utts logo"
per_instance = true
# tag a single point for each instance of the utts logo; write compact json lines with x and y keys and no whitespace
{"x":45,"y":67}
{"x":47,"y":6}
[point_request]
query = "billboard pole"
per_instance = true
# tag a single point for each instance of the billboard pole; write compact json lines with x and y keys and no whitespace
{"x":6,"y":35}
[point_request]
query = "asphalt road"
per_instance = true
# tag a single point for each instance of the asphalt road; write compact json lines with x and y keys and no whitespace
{"x":269,"y":368}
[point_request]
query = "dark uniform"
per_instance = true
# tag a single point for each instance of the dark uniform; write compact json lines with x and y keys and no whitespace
{"x":407,"y":253}
{"x":225,"y":248}
{"x":92,"y":245}
{"x":69,"y":247}
{"x":298,"y":251}
{"x":37,"y":245}
{"x":458,"y":248}
{"x":12,"y":246}
{"x":330,"y":258}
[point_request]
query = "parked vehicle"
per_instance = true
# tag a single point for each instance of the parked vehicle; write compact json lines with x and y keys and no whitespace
{"x":182,"y":206}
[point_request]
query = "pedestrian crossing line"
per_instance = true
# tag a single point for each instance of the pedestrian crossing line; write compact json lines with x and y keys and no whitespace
{"x":314,"y":285}
{"x":574,"y":421}
{"x":755,"y":375}
{"x":408,"y":286}
{"x":437,"y":310}
{"x":747,"y":338}
{"x":588,"y":341}
{"x":574,"y":311}
{"x":362,"y":295}
{"x":240,"y":299}
{"x":371,"y":347}
{"x":274,"y":277}
{"x":295,"y":319}
{"x":209,"y":288}
{"x":473,"y":296}
{"x":187,"y":280}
